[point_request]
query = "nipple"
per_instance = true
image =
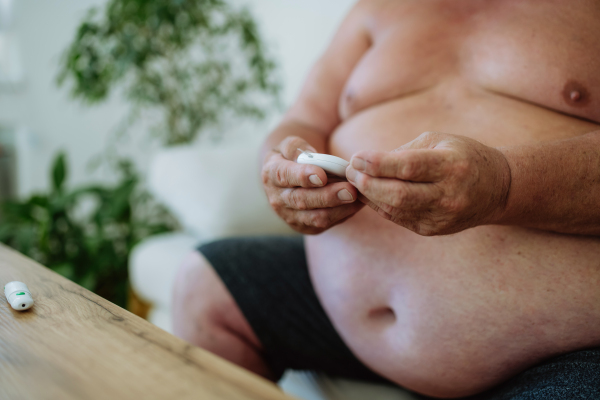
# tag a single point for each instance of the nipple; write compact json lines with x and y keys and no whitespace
{"x":575,"y":94}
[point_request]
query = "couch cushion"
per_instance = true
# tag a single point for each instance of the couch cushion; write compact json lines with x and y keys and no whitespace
{"x":153,"y":264}
{"x":214,"y":191}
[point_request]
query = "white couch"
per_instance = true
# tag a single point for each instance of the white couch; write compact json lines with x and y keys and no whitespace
{"x":215,"y":192}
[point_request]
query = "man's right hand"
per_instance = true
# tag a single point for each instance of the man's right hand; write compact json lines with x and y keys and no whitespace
{"x":300,"y":194}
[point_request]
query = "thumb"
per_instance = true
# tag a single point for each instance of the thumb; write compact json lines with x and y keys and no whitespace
{"x":293,"y":146}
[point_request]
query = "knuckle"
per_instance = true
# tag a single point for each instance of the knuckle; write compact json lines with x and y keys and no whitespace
{"x":297,"y":201}
{"x":265,"y":175}
{"x":426,"y":135}
{"x":290,"y":219}
{"x":285,"y":177}
{"x":410,"y":169}
{"x":429,"y":138}
{"x":462,"y":167}
{"x":279,"y":177}
{"x":274,"y":203}
{"x":398,"y":200}
{"x":321,"y":202}
{"x":430,"y":134}
{"x":321,"y":223}
{"x":455,"y":205}
{"x":319,"y":220}
{"x":277,"y":206}
{"x":277,"y":202}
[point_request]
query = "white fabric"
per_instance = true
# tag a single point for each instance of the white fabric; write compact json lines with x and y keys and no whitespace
{"x":215,"y":191}
{"x":161,"y":317}
{"x":153,"y":265}
{"x":311,"y":386}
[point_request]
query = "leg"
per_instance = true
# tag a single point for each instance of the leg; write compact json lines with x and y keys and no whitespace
{"x":251,"y":300}
{"x":205,"y":314}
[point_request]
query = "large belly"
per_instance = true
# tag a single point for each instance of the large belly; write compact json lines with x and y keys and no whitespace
{"x":479,"y":305}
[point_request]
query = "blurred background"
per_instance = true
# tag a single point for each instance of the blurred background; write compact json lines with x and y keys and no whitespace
{"x":129,"y":130}
{"x":35,"y":33}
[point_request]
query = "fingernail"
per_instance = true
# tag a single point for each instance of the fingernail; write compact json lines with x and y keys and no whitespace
{"x":351,"y":174}
{"x":344,"y":195}
{"x":359,"y":164}
{"x":314,"y":179}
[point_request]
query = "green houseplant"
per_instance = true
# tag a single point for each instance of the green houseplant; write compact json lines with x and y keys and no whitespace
{"x":85,"y":233}
{"x":188,"y":64}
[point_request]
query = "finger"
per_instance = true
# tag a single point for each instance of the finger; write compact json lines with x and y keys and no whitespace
{"x":383,"y":210}
{"x":409,"y":220}
{"x":286,"y":174}
{"x":327,"y":217}
{"x":394,"y":192}
{"x":292,"y":147}
{"x":408,"y":165}
{"x":326,"y":197}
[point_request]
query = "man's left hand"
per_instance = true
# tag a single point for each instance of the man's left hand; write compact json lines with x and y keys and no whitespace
{"x":437,"y":184}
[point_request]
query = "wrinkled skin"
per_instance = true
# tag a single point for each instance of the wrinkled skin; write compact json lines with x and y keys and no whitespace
{"x":435,"y":185}
{"x":301,"y":195}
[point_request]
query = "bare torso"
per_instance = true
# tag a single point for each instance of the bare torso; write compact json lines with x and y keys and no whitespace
{"x":467,"y":310}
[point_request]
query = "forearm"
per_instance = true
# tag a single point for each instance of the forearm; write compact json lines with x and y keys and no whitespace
{"x":555,"y":186}
{"x":290,"y":127}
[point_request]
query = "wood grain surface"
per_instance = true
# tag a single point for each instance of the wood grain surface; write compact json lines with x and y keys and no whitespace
{"x":75,"y":345}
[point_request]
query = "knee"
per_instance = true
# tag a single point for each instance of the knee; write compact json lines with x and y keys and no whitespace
{"x":190,"y":278}
{"x":197,"y":294}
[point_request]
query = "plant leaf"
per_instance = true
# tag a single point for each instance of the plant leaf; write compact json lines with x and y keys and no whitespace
{"x":59,"y":172}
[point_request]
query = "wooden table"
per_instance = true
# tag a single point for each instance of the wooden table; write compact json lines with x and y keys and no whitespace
{"x":75,"y":345}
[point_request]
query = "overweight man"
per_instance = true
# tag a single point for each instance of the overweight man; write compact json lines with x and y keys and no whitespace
{"x":457,"y":262}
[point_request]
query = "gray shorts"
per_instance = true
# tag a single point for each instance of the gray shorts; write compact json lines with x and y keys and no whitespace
{"x":268,"y":278}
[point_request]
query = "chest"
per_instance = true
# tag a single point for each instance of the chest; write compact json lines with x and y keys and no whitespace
{"x":542,"y":52}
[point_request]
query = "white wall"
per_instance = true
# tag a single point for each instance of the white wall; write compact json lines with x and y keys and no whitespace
{"x":298,"y":31}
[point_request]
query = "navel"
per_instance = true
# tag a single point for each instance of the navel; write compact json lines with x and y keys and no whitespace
{"x":350,"y":98}
{"x":348,"y":105}
{"x":575,"y":94}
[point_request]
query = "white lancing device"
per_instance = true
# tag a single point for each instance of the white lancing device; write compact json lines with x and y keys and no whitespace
{"x":332,"y":164}
{"x":18,"y":295}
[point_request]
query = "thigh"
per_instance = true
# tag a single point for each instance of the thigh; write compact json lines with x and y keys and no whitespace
{"x":269,"y":280}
